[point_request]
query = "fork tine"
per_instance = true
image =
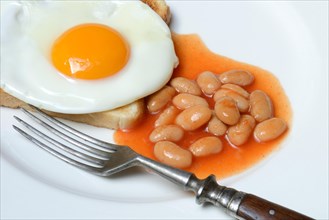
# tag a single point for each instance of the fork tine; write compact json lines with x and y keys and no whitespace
{"x":99,"y":153}
{"x":75,"y":132}
{"x":57,"y":154}
{"x":66,"y":148}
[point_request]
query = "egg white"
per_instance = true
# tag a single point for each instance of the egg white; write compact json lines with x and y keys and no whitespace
{"x":28,"y":30}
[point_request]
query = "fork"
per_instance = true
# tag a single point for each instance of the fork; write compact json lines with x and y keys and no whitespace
{"x":104,"y":159}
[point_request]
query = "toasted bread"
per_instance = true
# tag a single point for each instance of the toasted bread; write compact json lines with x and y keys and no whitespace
{"x":161,"y":8}
{"x":121,"y":118}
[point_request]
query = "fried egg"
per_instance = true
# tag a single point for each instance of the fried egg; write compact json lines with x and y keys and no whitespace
{"x":83,"y":56}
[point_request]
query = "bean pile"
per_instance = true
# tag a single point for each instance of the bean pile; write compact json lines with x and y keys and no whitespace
{"x":184,"y":106}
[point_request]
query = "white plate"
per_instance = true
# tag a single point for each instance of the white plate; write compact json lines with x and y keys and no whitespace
{"x":288,"y":39}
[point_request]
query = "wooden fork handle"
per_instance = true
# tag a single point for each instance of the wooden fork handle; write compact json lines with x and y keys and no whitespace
{"x":254,"y":207}
{"x":239,"y":204}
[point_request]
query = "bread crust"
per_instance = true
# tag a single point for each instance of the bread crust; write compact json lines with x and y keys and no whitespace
{"x":124,"y":117}
{"x":161,"y":8}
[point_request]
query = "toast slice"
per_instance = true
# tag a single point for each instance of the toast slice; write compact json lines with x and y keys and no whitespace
{"x":120,"y":118}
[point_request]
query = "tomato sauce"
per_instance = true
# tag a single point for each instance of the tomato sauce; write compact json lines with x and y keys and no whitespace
{"x":194,"y":58}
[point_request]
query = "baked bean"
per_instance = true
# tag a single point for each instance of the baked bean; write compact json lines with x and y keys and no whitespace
{"x":167,"y":116}
{"x":216,"y":126}
{"x":208,"y":82}
{"x":184,"y":85}
{"x":206,"y":146}
{"x":185,"y":100}
{"x":260,"y":105}
{"x":242,"y":103}
{"x":239,"y":133}
{"x":221,"y":93}
{"x":194,"y":117}
{"x":237,"y":77}
{"x":167,"y":133}
{"x":269,"y":129}
{"x":237,"y":89}
{"x":173,"y":155}
{"x":227,"y":111}
{"x":159,"y":99}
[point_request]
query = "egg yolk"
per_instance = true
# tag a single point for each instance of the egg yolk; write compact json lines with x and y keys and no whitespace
{"x":90,"y":51}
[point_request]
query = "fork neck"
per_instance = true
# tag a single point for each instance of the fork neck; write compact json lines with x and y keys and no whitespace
{"x":177,"y":176}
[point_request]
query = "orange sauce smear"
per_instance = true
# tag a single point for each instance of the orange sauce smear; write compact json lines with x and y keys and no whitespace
{"x":194,"y":58}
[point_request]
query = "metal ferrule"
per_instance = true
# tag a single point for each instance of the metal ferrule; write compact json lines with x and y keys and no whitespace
{"x":208,"y":190}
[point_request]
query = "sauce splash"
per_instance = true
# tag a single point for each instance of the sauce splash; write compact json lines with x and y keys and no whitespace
{"x":195,"y":58}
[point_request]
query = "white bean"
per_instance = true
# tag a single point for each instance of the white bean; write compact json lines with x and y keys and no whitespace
{"x":167,"y":116}
{"x":237,"y":89}
{"x":227,"y":111}
{"x":172,"y":155}
{"x":242,"y":103}
{"x":216,"y":126}
{"x":184,"y":85}
{"x":185,"y":100}
{"x":269,"y":129}
{"x":237,"y":77}
{"x":240,"y":133}
{"x":194,"y":117}
{"x":160,"y":99}
{"x":208,"y":82}
{"x":167,"y":133}
{"x":260,"y":106}
{"x":206,"y":146}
